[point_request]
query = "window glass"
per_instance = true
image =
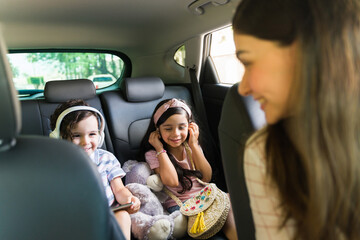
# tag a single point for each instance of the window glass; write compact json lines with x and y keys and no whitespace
{"x":32,"y":70}
{"x":222,"y":52}
{"x":179,"y":56}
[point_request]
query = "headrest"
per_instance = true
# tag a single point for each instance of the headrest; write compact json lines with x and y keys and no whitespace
{"x":10,"y":120}
{"x":63,"y":90}
{"x":143,"y":89}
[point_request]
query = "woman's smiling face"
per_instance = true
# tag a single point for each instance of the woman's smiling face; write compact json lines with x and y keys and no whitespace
{"x":269,"y":74}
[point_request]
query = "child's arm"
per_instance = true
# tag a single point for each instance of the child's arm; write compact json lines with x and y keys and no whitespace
{"x":123,"y":195}
{"x":166,"y":169}
{"x":198,"y":157}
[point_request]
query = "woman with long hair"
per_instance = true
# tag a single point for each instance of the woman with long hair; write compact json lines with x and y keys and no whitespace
{"x":302,"y":64}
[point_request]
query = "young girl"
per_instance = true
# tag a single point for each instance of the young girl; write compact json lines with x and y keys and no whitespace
{"x":302,"y":63}
{"x":163,"y":147}
{"x":82,"y":127}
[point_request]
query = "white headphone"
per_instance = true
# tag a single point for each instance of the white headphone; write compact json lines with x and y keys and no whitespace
{"x":56,"y":132}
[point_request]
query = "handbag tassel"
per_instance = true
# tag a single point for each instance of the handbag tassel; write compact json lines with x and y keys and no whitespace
{"x":199,"y":224}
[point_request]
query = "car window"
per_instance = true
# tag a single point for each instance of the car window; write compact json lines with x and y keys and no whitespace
{"x":32,"y":70}
{"x":222,"y":52}
{"x":180,"y":55}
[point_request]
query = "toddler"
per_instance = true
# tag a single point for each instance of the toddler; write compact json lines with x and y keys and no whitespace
{"x":75,"y":121}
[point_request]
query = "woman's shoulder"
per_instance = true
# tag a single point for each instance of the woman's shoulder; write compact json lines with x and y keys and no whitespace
{"x":257,"y":139}
{"x":255,"y":147}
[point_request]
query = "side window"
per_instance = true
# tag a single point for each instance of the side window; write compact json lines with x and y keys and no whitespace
{"x":179,"y":56}
{"x":32,"y":70}
{"x":222,"y":52}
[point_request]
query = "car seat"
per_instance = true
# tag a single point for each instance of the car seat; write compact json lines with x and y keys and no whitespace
{"x":240,"y":117}
{"x":128,"y":111}
{"x":49,"y":187}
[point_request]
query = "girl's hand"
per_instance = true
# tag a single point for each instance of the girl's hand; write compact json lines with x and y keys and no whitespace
{"x":136,"y":205}
{"x":154,"y":140}
{"x":193,"y":134}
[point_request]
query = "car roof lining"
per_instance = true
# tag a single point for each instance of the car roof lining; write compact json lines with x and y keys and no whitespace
{"x":107,"y":24}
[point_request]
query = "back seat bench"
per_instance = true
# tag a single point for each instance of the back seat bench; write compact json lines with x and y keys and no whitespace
{"x":129,"y":111}
{"x":36,"y":113}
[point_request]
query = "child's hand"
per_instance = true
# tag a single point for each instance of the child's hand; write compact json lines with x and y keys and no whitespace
{"x":193,"y":134}
{"x":136,"y":205}
{"x":154,"y":140}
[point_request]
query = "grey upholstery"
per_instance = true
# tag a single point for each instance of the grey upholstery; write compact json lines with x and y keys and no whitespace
{"x":129,"y":111}
{"x":239,"y":118}
{"x":63,"y":90}
{"x":36,"y":113}
{"x":143,"y":89}
{"x":128,"y":121}
{"x":49,"y":188}
{"x":10,"y":122}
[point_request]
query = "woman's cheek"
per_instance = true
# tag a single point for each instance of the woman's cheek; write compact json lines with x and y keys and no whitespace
{"x":256,"y":81}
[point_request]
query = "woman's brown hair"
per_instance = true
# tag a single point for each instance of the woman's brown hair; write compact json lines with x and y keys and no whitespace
{"x":314,"y":155}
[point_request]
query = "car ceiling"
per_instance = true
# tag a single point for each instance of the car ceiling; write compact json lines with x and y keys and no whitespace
{"x":135,"y":27}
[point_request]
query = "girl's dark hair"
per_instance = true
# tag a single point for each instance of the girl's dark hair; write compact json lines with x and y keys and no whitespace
{"x":183,"y":174}
{"x":314,"y":156}
{"x":70,"y":119}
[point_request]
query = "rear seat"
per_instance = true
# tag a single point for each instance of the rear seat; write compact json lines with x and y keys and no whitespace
{"x":36,"y":113}
{"x":129,"y":110}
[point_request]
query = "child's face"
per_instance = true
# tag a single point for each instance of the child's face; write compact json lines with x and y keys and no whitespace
{"x":174,"y":130}
{"x":86,"y":134}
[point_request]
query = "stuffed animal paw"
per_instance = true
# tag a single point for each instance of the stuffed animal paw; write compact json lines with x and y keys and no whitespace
{"x":161,"y":229}
{"x":154,"y":183}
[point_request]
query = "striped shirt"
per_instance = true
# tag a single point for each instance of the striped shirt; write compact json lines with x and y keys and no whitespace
{"x":109,"y":168}
{"x":263,"y":194}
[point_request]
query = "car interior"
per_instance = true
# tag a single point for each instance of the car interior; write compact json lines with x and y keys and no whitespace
{"x":40,"y":197}
{"x":41,"y":177}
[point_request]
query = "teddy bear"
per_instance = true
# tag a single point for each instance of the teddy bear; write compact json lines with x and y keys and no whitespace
{"x":151,"y":221}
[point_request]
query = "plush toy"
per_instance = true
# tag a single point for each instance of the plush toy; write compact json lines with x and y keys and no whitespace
{"x":151,"y":221}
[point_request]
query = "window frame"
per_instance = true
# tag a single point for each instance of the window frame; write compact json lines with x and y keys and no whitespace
{"x":38,"y":93}
{"x":176,"y":51}
{"x":208,"y":41}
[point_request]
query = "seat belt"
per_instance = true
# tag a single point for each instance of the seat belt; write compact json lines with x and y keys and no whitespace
{"x":198,"y":99}
{"x":201,"y":113}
